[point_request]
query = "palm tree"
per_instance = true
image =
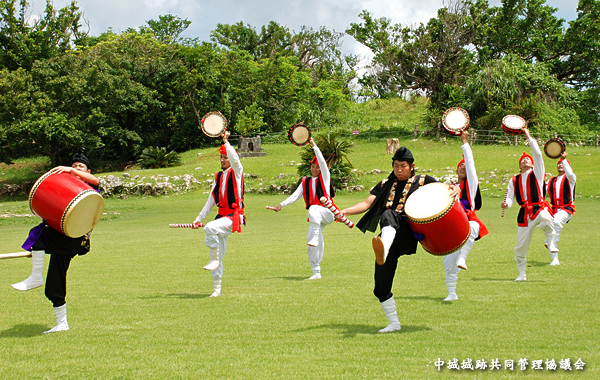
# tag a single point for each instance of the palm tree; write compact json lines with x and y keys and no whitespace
{"x":335,"y":151}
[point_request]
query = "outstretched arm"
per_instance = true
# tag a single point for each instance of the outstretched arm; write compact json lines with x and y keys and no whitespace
{"x":84,"y":176}
{"x":538,"y":168}
{"x":360,"y":207}
{"x":472,"y":178}
{"x":568,"y":170}
{"x":322,"y":165}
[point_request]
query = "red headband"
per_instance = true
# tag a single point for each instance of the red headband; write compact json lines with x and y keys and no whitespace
{"x":526,"y":155}
{"x":564,"y":159}
{"x":223,"y":150}
{"x":314,"y":161}
{"x":461,"y":162}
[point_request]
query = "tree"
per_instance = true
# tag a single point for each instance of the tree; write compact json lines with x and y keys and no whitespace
{"x":168,"y":28}
{"x":22,"y":42}
{"x":273,"y":39}
{"x":513,"y":86}
{"x":530,"y":30}
{"x":423,"y":58}
{"x":250,"y":120}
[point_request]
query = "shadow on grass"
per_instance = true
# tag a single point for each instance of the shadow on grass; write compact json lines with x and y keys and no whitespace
{"x":24,"y":331}
{"x":538,"y":263}
{"x":292,"y":278}
{"x":183,"y":296}
{"x":350,"y":331}
{"x":506,"y":279}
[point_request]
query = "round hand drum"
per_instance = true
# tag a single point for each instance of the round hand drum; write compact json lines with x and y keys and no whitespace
{"x":554,"y":147}
{"x":456,"y":120}
{"x":66,"y":203}
{"x":431,"y":211}
{"x":214,"y":124}
{"x":513,"y":124}
{"x":299,"y":134}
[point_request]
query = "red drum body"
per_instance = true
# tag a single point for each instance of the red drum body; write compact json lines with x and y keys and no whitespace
{"x":513,"y":124}
{"x":442,"y":219}
{"x":68,"y":205}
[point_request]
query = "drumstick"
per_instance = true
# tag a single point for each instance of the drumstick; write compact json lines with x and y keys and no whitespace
{"x":327,"y":203}
{"x":15,"y":255}
{"x":184,"y":225}
{"x":505,"y":196}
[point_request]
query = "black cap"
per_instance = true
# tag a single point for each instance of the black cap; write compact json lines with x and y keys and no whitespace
{"x":80,"y":157}
{"x":403,"y":154}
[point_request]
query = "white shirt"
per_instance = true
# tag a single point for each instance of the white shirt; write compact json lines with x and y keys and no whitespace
{"x":299,"y":193}
{"x":472,"y":179}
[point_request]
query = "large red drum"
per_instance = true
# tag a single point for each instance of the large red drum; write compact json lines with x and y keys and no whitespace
{"x":68,"y":205}
{"x":431,"y":211}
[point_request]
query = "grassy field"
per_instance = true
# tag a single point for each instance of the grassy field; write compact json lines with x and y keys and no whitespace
{"x":138,"y":303}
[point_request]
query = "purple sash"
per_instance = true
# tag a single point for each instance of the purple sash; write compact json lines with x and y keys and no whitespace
{"x":34,"y":235}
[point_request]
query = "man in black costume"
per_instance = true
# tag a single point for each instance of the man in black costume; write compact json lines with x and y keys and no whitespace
{"x":385,"y":207}
{"x":43,"y":240}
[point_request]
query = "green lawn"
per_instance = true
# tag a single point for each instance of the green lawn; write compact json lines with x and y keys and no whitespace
{"x":138,"y":303}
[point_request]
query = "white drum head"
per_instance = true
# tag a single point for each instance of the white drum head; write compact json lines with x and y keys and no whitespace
{"x":455,"y":120}
{"x":214,"y":124}
{"x":82,"y":215}
{"x":428,"y":202}
{"x":299,"y":134}
{"x":554,"y":148}
{"x":514,"y":122}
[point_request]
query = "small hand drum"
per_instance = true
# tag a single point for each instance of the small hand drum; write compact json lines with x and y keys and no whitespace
{"x":513,"y":124}
{"x":554,"y":147}
{"x":214,"y":124}
{"x":456,"y":120}
{"x":299,"y":134}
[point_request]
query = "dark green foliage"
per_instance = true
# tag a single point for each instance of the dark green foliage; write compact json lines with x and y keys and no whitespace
{"x":155,"y":157}
{"x":512,"y":86}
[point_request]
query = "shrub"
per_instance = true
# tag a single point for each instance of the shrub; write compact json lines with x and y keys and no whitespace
{"x":155,"y":157}
{"x":335,"y":151}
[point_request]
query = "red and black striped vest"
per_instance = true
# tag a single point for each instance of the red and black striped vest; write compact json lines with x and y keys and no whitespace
{"x":309,"y":199}
{"x":563,"y":200}
{"x":535,"y":197}
{"x":231,"y":205}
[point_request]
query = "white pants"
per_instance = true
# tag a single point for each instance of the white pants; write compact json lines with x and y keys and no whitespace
{"x":451,"y":260}
{"x":524,"y":234}
{"x":217,"y":232}
{"x":319,"y":217}
{"x":560,"y":218}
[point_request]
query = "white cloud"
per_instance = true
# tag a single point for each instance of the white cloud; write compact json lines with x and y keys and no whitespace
{"x":205,"y":14}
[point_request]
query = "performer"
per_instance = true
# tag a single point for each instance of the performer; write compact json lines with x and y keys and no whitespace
{"x":385,"y":207}
{"x":470,"y":197}
{"x":529,"y":190}
{"x":227,"y":193}
{"x":561,"y":190}
{"x":43,"y":240}
{"x":312,"y":189}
